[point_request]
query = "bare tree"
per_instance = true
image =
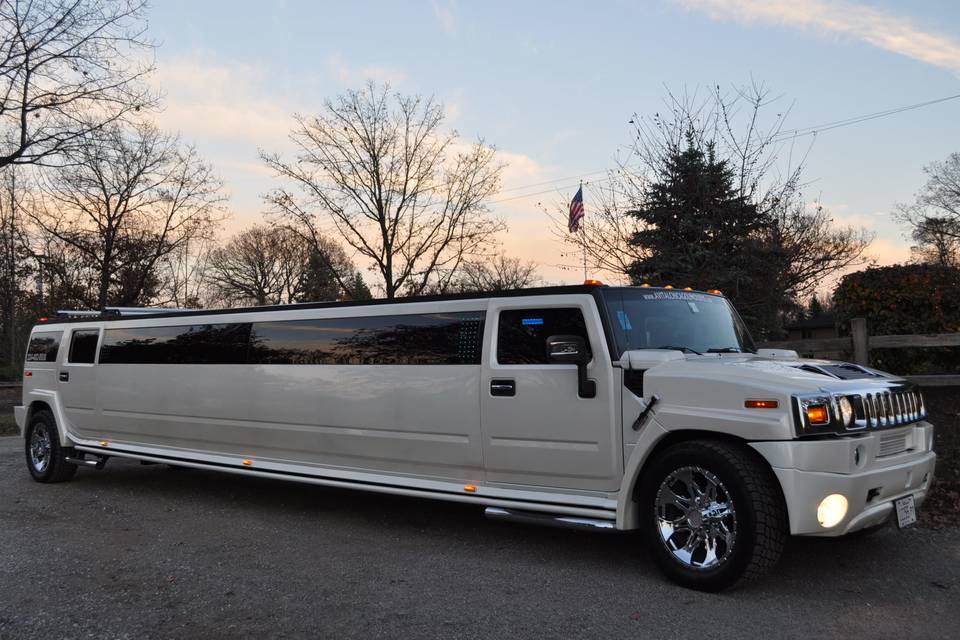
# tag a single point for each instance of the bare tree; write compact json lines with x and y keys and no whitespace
{"x":185,"y":279}
{"x":269,"y":264}
{"x":15,"y":265}
{"x":934,"y":217}
{"x":67,"y":69}
{"x":499,"y":273}
{"x":260,"y":265}
{"x":379,"y":172}
{"x":127,"y":198}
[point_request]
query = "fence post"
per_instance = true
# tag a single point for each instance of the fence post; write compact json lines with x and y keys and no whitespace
{"x":861,"y":341}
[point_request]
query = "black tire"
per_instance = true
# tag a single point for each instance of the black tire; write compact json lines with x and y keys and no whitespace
{"x":737,"y":477}
{"x":45,"y":457}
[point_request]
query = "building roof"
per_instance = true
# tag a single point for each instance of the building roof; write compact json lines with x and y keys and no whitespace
{"x":824,"y":321}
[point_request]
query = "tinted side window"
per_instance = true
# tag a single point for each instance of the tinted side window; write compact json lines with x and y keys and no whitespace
{"x":43,"y":347}
{"x":522,"y":336}
{"x":437,"y":338}
{"x":191,"y":344}
{"x":83,"y":346}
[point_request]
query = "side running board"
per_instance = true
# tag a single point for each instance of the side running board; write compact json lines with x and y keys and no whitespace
{"x":550,"y":520}
{"x":82,"y":460}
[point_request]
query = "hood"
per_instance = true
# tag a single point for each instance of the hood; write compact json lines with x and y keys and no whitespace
{"x":774,"y":374}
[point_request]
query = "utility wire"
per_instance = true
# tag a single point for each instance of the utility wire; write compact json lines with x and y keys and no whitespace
{"x":780,"y":137}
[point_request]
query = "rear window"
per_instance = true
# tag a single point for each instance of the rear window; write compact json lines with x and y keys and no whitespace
{"x":43,"y":346}
{"x":523,"y":333}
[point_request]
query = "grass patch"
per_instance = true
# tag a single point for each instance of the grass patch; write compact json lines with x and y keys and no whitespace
{"x":8,"y":426}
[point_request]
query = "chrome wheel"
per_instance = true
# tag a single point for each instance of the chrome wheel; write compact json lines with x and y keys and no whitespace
{"x":696,"y":518}
{"x":40,"y":449}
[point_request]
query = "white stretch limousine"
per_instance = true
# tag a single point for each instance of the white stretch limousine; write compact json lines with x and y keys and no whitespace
{"x":607,"y":407}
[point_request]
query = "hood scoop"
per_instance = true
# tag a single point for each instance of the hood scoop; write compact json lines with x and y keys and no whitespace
{"x":842,"y":371}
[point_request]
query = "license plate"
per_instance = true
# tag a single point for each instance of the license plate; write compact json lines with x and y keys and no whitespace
{"x":906,"y":511}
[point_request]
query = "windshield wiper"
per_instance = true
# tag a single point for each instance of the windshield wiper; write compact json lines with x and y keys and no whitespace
{"x":726,"y":350}
{"x":676,"y":348}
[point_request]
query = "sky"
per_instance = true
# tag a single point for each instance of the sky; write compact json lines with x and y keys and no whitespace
{"x":553,"y":85}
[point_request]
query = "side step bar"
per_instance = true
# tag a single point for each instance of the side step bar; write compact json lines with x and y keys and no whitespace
{"x":83,"y":461}
{"x":550,"y":520}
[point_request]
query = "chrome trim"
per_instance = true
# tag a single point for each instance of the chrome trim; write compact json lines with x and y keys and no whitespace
{"x":874,"y":407}
{"x":566,"y":522}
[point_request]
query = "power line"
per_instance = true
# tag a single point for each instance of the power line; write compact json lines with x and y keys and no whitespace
{"x":780,"y":137}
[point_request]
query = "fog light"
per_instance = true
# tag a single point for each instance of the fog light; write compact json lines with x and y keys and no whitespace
{"x":831,"y":511}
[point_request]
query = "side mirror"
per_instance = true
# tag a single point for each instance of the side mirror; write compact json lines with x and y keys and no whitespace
{"x":572,"y":350}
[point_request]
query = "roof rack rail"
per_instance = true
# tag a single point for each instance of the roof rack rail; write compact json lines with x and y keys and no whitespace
{"x":113,"y":312}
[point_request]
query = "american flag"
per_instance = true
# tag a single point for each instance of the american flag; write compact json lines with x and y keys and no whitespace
{"x":576,"y":211}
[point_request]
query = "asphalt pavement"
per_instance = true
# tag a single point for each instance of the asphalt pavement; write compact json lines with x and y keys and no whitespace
{"x":139,"y":551}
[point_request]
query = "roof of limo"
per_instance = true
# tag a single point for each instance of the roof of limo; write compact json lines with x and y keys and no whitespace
{"x":108,"y":316}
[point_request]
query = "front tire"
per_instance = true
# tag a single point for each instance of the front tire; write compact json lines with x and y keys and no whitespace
{"x":46,"y":459}
{"x":713,"y":514}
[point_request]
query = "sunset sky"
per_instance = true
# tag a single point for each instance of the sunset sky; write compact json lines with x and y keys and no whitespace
{"x":553,"y":86}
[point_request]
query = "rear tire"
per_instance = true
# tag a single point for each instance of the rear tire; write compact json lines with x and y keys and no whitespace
{"x":46,"y":459}
{"x":713,"y":514}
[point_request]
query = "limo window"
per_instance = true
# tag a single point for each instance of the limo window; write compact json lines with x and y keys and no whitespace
{"x":43,"y":347}
{"x":523,"y":333}
{"x":83,"y":346}
{"x":424,"y":339}
{"x":191,"y":344}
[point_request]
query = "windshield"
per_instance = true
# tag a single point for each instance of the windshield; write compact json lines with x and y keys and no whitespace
{"x":684,"y":320}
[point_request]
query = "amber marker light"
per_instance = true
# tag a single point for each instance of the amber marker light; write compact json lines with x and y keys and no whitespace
{"x":669,"y":286}
{"x":592,"y":281}
{"x":104,"y":443}
{"x":247,"y":462}
{"x":469,"y":488}
{"x":688,"y":288}
{"x":645,"y":285}
{"x":818,"y":414}
{"x":761,"y":404}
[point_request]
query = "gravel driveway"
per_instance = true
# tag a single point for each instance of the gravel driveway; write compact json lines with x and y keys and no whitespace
{"x":147,"y":551}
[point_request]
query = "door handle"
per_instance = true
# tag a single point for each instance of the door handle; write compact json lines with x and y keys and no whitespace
{"x":64,"y":376}
{"x":501,"y":387}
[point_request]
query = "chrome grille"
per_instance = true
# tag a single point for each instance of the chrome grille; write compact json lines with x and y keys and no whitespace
{"x":889,"y":408}
{"x":892,"y":444}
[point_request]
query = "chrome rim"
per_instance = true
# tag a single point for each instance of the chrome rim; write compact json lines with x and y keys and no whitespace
{"x":40,"y":449}
{"x":696,"y":519}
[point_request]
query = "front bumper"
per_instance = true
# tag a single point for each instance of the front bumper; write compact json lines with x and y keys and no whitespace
{"x":810,"y":471}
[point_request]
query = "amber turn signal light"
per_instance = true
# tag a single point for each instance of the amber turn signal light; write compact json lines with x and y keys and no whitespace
{"x":761,"y":404}
{"x":469,"y":488}
{"x":818,"y":414}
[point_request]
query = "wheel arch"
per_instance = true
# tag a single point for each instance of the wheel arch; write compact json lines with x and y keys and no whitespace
{"x":627,"y":512}
{"x":50,"y":404}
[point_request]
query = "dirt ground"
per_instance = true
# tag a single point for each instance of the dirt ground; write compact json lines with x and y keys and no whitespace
{"x":146,"y":552}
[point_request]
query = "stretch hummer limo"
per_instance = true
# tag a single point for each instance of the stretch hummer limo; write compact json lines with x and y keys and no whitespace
{"x":620,"y":408}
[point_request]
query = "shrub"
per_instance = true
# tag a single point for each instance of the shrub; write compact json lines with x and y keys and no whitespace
{"x":903,"y":300}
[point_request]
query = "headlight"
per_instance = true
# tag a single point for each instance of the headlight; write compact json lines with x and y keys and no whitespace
{"x":846,"y":411}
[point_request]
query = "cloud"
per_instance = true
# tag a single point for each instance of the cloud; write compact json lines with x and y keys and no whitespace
{"x":354,"y":75}
{"x":886,"y":252}
{"x":226,"y":101}
{"x":446,"y":14}
{"x":880,"y":28}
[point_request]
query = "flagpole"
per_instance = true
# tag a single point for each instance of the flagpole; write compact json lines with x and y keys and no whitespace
{"x":583,"y":238}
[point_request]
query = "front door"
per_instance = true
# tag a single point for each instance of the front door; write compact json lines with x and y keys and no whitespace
{"x":77,"y":381}
{"x":537,"y":430}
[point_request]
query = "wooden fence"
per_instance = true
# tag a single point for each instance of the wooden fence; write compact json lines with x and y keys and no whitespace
{"x":860,"y":342}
